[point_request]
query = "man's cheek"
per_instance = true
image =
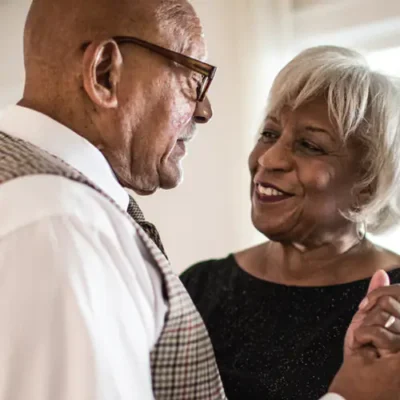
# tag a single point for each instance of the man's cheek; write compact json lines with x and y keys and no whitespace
{"x":182,"y":114}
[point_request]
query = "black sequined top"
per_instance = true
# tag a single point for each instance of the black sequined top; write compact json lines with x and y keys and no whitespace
{"x":273,"y":341}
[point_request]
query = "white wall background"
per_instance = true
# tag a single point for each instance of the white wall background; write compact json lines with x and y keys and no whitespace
{"x":249,"y":40}
{"x":12,"y":17}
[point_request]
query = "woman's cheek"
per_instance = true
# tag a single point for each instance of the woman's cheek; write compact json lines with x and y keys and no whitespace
{"x":317,"y":178}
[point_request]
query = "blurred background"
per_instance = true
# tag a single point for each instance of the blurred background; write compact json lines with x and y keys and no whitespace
{"x":249,"y":40}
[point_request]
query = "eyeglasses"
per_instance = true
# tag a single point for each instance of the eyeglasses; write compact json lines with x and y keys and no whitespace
{"x":206,"y":70}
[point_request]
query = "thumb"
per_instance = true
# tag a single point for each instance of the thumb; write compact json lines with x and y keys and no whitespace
{"x":380,"y":279}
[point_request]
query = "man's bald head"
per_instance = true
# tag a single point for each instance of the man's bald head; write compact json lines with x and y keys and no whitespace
{"x":55,"y":29}
{"x":138,"y":107}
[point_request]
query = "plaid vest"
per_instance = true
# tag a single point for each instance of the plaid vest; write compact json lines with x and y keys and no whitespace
{"x":182,"y":361}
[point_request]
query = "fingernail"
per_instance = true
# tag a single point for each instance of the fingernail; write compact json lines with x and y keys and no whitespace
{"x":363,"y":304}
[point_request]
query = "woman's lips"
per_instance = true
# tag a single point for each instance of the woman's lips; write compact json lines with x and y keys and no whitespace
{"x":270,"y":194}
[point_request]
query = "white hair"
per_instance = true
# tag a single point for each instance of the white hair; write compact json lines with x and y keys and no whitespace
{"x":179,"y":19}
{"x":362,"y":103}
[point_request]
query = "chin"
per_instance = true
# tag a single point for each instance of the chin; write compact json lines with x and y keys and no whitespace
{"x":277,"y":231}
{"x":144,"y":192}
{"x":171,"y":183}
{"x":171,"y":178}
{"x":273,"y":235}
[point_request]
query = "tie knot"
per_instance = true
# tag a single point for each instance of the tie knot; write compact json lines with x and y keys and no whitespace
{"x":136,"y":213}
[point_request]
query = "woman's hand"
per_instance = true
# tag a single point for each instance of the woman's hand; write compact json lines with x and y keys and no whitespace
{"x":364,"y":376}
{"x":371,"y":366}
{"x":377,"y":323}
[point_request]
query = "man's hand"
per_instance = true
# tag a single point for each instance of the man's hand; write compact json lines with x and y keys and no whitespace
{"x":364,"y":376}
{"x":377,"y":323}
{"x":371,"y":366}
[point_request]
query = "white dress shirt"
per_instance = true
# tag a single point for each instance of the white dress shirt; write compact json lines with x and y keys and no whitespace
{"x":81,"y":306}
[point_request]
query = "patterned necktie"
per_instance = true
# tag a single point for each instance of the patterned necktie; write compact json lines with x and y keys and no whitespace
{"x":136,"y":213}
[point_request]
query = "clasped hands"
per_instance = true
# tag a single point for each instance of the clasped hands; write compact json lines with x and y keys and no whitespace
{"x":371,"y":365}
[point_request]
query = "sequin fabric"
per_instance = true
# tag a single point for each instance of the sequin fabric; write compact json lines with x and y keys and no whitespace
{"x":273,"y":342}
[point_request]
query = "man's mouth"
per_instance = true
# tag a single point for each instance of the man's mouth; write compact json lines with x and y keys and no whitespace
{"x":183,"y":142}
{"x":188,"y":135}
{"x":186,"y":138}
{"x":181,"y":145}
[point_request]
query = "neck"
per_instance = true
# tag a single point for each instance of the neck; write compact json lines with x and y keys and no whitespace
{"x":76,"y":121}
{"x":326,"y":263}
{"x":330,"y":244}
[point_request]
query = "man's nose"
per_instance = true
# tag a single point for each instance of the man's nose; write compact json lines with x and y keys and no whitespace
{"x":203,"y":112}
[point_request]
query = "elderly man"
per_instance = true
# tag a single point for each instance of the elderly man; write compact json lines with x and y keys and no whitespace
{"x":89,"y":306}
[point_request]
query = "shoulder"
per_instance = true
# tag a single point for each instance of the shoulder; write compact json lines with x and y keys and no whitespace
{"x":75,"y":239}
{"x":389,"y":261}
{"x":250,"y":255}
{"x":394,"y":275}
{"x":208,"y":267}
{"x":215,"y":268}
{"x":204,"y":272}
{"x":30,"y":199}
{"x":394,"y":270}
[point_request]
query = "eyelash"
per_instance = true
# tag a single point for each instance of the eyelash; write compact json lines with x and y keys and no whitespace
{"x":305,"y":143}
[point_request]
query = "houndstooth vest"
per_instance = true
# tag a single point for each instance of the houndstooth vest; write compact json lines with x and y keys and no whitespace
{"x":183,"y":363}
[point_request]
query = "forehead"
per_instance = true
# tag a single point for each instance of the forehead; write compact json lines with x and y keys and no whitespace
{"x":315,"y":114}
{"x":195,"y":47}
{"x":316,"y":110}
{"x":180,"y":29}
{"x":189,"y":41}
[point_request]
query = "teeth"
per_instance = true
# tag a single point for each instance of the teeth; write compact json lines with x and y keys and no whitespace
{"x":269,"y":191}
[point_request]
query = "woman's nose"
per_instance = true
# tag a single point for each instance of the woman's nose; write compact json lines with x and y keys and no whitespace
{"x":277,"y":157}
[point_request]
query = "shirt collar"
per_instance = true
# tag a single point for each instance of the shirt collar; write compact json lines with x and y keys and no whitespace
{"x":62,"y":142}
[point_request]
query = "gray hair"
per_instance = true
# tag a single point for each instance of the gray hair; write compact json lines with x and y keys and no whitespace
{"x":178,"y":17}
{"x":362,"y":103}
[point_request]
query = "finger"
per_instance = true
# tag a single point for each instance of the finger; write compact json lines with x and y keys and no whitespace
{"x":389,"y":304}
{"x":368,"y":353}
{"x":369,"y":302}
{"x":385,"y":303}
{"x":384,"y":319}
{"x":379,"y":279}
{"x":379,"y":337}
{"x":350,"y":343}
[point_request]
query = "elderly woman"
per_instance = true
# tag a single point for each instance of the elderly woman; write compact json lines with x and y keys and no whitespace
{"x":325,"y":170}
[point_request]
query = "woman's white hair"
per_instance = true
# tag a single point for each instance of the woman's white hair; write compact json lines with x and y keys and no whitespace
{"x":362,"y":103}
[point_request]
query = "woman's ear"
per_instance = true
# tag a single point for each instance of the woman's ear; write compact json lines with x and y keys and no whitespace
{"x":363,"y":196}
{"x":102,"y":70}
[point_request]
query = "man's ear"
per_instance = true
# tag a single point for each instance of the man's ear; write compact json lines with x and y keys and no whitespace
{"x":102,"y":69}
